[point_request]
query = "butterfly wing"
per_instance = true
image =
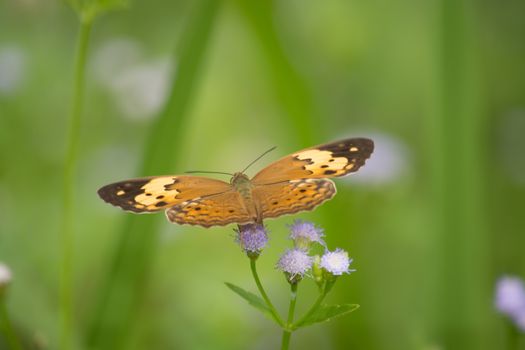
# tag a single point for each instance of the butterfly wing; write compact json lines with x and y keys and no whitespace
{"x":152,"y":194}
{"x":329,"y":160}
{"x":292,"y":196}
{"x":218,"y":210}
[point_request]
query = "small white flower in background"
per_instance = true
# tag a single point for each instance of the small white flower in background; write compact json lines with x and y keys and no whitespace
{"x":510,"y":299}
{"x":12,"y":69}
{"x":139,"y":86}
{"x":303,"y":233}
{"x":5,"y":275}
{"x":295,"y":263}
{"x":336,"y":262}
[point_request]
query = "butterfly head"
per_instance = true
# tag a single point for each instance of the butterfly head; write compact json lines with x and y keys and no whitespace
{"x":240,"y":181}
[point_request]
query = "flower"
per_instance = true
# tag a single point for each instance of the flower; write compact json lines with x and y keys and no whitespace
{"x":5,"y":276}
{"x":252,"y":239}
{"x":303,"y":233}
{"x":336,"y":262}
{"x":510,"y":299}
{"x":294,"y":263}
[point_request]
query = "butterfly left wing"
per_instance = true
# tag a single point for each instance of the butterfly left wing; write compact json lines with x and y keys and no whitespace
{"x":291,"y":196}
{"x":151,"y":194}
{"x":329,"y":160}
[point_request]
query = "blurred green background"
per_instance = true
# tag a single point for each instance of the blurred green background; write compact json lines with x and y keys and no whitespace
{"x":432,"y":220}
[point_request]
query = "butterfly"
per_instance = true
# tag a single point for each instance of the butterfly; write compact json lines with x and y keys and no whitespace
{"x":295,"y":183}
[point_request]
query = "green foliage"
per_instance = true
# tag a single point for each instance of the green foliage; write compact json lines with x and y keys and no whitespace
{"x":252,"y":299}
{"x":326,"y":313}
{"x":119,"y":300}
{"x":442,"y":81}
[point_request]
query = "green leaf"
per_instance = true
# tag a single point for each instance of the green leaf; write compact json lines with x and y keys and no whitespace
{"x":252,"y":299}
{"x":326,"y":313}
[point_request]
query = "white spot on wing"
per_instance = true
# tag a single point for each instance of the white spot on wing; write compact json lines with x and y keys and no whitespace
{"x":320,"y":158}
{"x":156,"y":186}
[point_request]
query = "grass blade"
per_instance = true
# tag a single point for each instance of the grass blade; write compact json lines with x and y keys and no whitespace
{"x":126,"y":281}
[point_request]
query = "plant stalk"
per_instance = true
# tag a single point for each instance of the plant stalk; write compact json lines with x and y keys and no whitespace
{"x":272,"y":308}
{"x":7,"y":327}
{"x":287,"y":332}
{"x":67,"y":232}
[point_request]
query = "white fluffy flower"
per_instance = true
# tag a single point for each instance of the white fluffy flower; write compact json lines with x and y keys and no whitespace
{"x":336,"y":262}
{"x":295,"y":262}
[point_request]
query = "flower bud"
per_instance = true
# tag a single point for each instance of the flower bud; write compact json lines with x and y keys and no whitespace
{"x":252,"y":239}
{"x":304,"y":233}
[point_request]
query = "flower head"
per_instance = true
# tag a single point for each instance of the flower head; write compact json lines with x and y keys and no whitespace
{"x":510,"y":299}
{"x":336,"y":262}
{"x":252,"y":239}
{"x":304,"y":233}
{"x":294,"y":263}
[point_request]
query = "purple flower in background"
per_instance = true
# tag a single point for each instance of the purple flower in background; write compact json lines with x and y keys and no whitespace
{"x":336,"y":262}
{"x":295,"y":263}
{"x":303,"y":233}
{"x":510,"y":299}
{"x":252,"y":239}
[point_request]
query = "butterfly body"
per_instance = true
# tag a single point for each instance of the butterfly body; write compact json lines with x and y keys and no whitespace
{"x":292,"y":184}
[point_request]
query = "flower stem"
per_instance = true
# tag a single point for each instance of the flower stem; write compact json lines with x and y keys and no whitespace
{"x":313,"y":309}
{"x":67,"y":234}
{"x":274,"y":312}
{"x":287,"y":332}
{"x":6,"y":326}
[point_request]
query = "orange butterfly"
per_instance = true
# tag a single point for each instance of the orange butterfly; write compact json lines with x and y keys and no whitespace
{"x":294,"y":183}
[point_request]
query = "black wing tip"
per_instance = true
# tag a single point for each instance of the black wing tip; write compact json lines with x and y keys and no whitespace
{"x":366,"y":144}
{"x":108,"y":194}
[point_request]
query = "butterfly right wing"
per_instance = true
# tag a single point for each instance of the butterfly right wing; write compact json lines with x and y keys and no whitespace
{"x":291,"y":196}
{"x":151,"y":194}
{"x":323,"y":161}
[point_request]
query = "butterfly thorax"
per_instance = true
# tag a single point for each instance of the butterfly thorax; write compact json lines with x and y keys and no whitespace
{"x":242,"y":184}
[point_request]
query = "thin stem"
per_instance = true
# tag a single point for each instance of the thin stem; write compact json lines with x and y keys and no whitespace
{"x":7,"y":327}
{"x":287,"y":332}
{"x":313,"y":309}
{"x":67,"y":234}
{"x":273,"y":310}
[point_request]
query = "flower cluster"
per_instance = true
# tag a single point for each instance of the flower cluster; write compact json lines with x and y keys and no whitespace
{"x":510,"y":299}
{"x":295,"y":263}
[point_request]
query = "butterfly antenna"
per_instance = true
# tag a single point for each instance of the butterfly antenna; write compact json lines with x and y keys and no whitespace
{"x":207,"y":172}
{"x":262,"y":155}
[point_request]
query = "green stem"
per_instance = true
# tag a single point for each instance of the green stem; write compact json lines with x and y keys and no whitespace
{"x":287,"y":332}
{"x":67,"y":232}
{"x":7,"y":327}
{"x":273,"y":310}
{"x":313,"y":309}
